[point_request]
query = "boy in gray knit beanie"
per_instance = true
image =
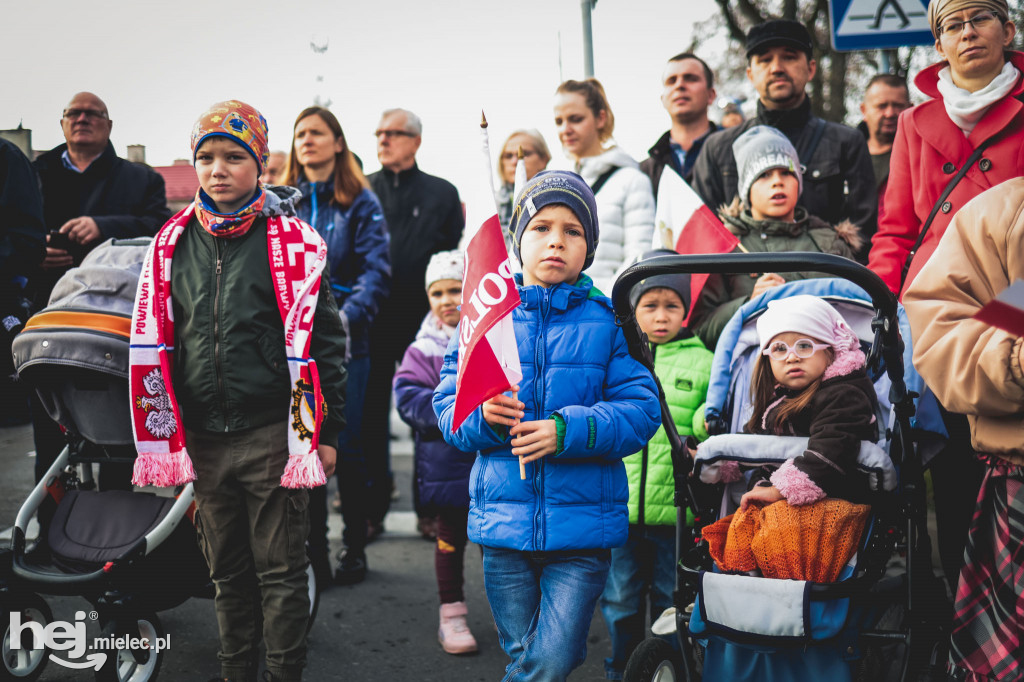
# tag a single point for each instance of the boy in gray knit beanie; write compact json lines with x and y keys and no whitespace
{"x":759,"y":150}
{"x":766,"y":219}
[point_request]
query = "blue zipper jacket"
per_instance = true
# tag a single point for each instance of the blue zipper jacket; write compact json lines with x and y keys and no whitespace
{"x":357,"y":254}
{"x":575,"y":365}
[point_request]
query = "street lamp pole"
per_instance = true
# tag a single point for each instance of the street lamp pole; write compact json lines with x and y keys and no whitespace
{"x":588,"y":39}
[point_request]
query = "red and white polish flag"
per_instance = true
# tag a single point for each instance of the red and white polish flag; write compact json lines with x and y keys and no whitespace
{"x":488,"y":353}
{"x":686,"y":225}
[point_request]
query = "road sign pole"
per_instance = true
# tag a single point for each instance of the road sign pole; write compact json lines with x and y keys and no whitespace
{"x":588,"y":39}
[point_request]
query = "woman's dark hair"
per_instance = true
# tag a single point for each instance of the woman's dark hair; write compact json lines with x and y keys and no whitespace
{"x":593,"y":94}
{"x":349,"y":180}
{"x":762,"y":392}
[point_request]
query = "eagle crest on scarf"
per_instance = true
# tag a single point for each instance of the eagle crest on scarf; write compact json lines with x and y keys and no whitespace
{"x":160,"y":417}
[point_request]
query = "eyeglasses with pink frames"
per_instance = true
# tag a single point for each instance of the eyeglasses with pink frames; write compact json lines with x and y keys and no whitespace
{"x":802,"y":348}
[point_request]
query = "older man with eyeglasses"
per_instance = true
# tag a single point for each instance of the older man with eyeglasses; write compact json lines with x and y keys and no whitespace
{"x":89,"y":195}
{"x":424,"y":216}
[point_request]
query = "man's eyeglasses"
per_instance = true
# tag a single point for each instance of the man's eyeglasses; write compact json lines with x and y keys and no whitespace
{"x":979,"y":21}
{"x":91,"y":114}
{"x":392,"y":134}
{"x":508,"y":156}
{"x":804,"y":348}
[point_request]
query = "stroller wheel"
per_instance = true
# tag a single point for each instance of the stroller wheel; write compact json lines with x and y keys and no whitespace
{"x":24,"y":662}
{"x":654,"y":661}
{"x":314,"y":596}
{"x":134,"y":665}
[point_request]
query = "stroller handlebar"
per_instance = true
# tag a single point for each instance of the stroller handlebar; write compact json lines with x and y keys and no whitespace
{"x":738,"y":263}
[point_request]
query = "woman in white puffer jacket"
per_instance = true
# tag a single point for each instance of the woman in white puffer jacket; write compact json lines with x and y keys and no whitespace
{"x":625,"y":202}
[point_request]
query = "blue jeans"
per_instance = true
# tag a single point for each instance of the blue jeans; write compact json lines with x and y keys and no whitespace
{"x":543,"y":603}
{"x":644,"y":566}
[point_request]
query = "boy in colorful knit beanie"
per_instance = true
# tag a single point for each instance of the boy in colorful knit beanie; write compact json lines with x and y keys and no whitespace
{"x":645,"y":565}
{"x":252,"y":409}
{"x":442,"y":472}
{"x":584,"y":403}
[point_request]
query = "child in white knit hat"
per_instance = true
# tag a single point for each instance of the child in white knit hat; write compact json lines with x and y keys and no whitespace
{"x":810,"y":380}
{"x":441,"y":471}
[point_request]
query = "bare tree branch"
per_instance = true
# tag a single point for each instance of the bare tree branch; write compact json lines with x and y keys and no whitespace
{"x":751,"y":13}
{"x":736,"y":32}
{"x":789,"y":9}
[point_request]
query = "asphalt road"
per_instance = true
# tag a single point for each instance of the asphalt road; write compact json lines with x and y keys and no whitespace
{"x":382,"y":629}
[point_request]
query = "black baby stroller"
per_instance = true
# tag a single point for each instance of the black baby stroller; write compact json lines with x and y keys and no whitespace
{"x":130,"y":553}
{"x":736,"y":627}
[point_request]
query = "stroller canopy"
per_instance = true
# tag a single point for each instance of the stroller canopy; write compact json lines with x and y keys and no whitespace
{"x":75,"y":351}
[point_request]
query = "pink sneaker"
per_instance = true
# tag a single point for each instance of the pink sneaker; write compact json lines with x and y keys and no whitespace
{"x":454,"y":634}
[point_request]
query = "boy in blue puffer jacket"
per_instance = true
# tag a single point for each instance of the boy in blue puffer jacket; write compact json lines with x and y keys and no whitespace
{"x":645,"y":565}
{"x":585,"y":404}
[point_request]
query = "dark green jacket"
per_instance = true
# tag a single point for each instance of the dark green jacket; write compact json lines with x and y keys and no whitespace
{"x":230,"y":369}
{"x":723,"y":295}
{"x":683,"y":366}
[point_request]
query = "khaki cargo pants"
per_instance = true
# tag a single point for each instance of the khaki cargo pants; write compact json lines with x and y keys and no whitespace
{"x":253,"y":534}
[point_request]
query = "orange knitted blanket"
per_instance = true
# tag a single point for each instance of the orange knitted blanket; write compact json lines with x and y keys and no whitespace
{"x":807,"y":542}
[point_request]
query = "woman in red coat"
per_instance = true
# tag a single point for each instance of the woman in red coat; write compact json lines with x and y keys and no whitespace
{"x":975,"y":95}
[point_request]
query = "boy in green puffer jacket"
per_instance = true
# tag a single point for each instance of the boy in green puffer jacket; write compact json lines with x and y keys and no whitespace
{"x":645,"y":565}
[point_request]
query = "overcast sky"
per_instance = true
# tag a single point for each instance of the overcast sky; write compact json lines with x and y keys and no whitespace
{"x":159,"y":64}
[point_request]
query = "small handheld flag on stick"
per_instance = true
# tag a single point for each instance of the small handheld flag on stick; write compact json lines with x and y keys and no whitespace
{"x":488,"y":352}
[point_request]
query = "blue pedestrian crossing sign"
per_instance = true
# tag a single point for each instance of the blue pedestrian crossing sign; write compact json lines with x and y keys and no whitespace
{"x":874,"y":24}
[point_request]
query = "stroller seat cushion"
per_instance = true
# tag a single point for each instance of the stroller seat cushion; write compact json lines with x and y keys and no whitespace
{"x":752,"y":451}
{"x":763,"y":611}
{"x":90,"y":528}
{"x":774,"y":608}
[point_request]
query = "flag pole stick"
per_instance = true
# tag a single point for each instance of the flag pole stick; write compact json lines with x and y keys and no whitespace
{"x":490,"y":179}
{"x":522,"y":465}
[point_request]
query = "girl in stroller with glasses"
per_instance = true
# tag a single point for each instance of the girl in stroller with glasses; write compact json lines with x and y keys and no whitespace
{"x":809,"y":380}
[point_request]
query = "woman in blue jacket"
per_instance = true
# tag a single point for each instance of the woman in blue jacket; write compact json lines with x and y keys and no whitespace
{"x":583,"y":404}
{"x":337,"y":202}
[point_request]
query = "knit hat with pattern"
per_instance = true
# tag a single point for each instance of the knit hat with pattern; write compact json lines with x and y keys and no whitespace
{"x":556,"y":187}
{"x":235,"y":120}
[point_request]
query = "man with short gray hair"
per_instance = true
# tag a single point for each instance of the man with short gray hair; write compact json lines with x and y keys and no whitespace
{"x":424,"y":216}
{"x":90,"y":194}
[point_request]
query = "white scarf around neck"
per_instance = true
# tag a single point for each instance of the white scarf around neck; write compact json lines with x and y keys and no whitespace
{"x":966,"y":108}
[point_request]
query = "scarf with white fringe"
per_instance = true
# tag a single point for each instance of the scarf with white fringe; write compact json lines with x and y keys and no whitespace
{"x":297,"y":257}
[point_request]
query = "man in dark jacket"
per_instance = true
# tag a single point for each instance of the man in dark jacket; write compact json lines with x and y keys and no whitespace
{"x":22,"y":247}
{"x":838,"y":180}
{"x":89,"y":196}
{"x":687,"y":91}
{"x":885,"y":98}
{"x":424,"y":216}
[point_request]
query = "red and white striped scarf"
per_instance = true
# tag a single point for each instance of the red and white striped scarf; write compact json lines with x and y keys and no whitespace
{"x":297,"y":257}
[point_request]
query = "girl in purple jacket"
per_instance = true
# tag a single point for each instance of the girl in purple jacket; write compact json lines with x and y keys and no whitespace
{"x":442,"y":471}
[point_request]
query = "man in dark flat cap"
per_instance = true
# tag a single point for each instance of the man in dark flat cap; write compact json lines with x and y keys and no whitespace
{"x":838,"y":177}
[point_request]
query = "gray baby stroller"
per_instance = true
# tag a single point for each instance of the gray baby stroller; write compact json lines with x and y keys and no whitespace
{"x":130,"y":553}
{"x":738,"y":627}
